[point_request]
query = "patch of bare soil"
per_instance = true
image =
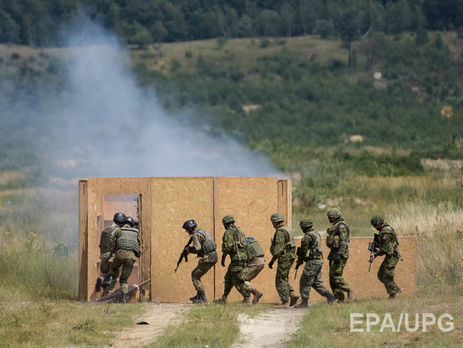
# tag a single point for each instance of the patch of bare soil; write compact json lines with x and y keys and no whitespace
{"x":269,"y":329}
{"x":158,"y":317}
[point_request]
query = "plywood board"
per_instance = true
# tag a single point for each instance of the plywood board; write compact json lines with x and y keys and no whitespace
{"x":83,"y":238}
{"x":97,"y":188}
{"x":251,"y":201}
{"x":173,"y":201}
{"x":285,"y":200}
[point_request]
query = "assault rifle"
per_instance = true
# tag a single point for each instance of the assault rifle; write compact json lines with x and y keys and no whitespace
{"x":300,"y":260}
{"x":372,"y":247}
{"x":183,"y":255}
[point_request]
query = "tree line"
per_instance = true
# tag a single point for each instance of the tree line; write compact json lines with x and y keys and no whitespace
{"x":38,"y":22}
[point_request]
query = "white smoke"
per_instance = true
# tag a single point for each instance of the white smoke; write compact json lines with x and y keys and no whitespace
{"x":107,"y":125}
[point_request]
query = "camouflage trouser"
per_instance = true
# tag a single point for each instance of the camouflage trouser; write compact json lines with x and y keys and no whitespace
{"x":201,"y":269}
{"x":281,"y":278}
{"x":337,"y":282}
{"x":235,"y":277}
{"x":106,"y":260}
{"x":386,"y":274}
{"x":312,"y":278}
{"x":126,"y":259}
{"x":249,"y":274}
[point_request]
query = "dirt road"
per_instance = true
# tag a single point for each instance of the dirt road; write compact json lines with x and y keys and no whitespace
{"x":269,"y":329}
{"x":159,"y":317}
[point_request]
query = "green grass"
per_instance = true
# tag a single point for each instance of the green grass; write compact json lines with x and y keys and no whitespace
{"x":208,"y":326}
{"x":329,"y":326}
{"x":46,"y":323}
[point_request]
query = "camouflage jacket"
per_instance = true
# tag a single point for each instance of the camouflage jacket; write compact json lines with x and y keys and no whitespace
{"x":283,"y":244}
{"x":338,"y":239}
{"x":105,"y":238}
{"x":234,"y":244}
{"x":125,"y":238}
{"x":387,"y":241}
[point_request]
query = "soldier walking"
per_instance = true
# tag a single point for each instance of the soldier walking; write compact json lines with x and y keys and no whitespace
{"x":283,"y":249}
{"x":204,"y":247}
{"x":311,"y":252}
{"x":106,"y":254}
{"x":234,"y":244}
{"x":387,"y":244}
{"x":338,"y":242}
{"x":254,"y":265}
{"x":126,"y":245}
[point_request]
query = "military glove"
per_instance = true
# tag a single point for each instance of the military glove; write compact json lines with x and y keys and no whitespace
{"x":337,"y":258}
{"x":222,"y":262}
{"x":270,"y":264}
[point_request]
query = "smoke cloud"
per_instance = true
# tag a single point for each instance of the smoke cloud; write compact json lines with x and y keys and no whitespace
{"x":104,"y":124}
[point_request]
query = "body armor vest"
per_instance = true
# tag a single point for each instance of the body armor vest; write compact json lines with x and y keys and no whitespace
{"x":253,"y":249}
{"x":128,"y":240}
{"x":315,"y":250}
{"x":209,"y":243}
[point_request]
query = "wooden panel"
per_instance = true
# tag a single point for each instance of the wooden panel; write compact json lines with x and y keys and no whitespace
{"x":83,"y":240}
{"x":175,"y":200}
{"x":285,"y":200}
{"x":251,"y":201}
{"x":97,"y":188}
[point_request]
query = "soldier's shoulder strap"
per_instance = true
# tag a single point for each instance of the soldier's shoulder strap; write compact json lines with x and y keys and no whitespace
{"x":394,"y":234}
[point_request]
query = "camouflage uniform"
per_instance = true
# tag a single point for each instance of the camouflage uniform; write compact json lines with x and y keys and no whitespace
{"x":127,"y":245}
{"x":106,"y":254}
{"x":387,"y":245}
{"x":311,"y":251}
{"x":338,"y":242}
{"x":207,"y":260}
{"x":283,"y":249}
{"x":233,"y":244}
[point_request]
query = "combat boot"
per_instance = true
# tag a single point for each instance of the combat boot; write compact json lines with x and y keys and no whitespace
{"x":304,"y":303}
{"x":398,"y":289}
{"x":293,"y":299}
{"x":123,"y":298}
{"x":99,"y":281}
{"x":222,"y":300}
{"x":283,"y":305}
{"x":329,"y":298}
{"x":107,"y":282}
{"x":195,"y":297}
{"x":201,"y":297}
{"x":247,"y":301}
{"x":257,"y":295}
{"x":351,"y":295}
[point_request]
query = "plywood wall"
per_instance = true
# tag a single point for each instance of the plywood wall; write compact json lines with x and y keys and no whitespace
{"x":167,"y":202}
{"x":175,"y":200}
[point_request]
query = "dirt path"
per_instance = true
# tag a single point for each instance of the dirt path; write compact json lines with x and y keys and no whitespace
{"x":269,"y":329}
{"x":159,"y":317}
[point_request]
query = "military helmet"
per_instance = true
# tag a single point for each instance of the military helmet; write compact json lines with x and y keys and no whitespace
{"x":334,"y":213}
{"x":189,"y":224}
{"x":228,"y":219}
{"x":119,"y":218}
{"x":129,"y":220}
{"x":377,"y":220}
{"x":277,"y":217}
{"x":305,"y":223}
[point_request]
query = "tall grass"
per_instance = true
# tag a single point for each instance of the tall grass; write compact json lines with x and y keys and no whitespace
{"x":30,"y":269}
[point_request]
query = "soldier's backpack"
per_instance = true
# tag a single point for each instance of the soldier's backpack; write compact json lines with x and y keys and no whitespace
{"x":253,"y":248}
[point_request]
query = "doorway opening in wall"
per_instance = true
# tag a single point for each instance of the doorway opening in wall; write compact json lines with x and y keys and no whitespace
{"x":129,"y":204}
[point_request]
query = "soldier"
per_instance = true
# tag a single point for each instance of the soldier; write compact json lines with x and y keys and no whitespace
{"x":387,"y":245}
{"x":338,"y":241}
{"x":205,"y":248}
{"x":234,"y":244}
{"x":283,"y":249}
{"x":254,"y":265}
{"x":311,"y":251}
{"x":106,"y":254}
{"x":126,"y":244}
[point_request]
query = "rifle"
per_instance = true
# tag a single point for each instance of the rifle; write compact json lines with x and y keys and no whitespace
{"x":300,"y":260}
{"x":372,"y":248}
{"x":183,"y":255}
